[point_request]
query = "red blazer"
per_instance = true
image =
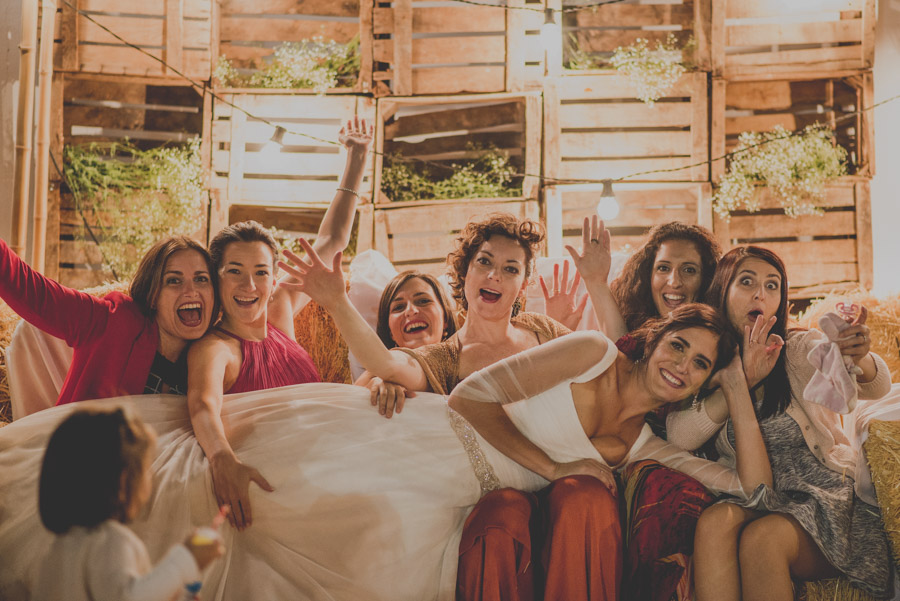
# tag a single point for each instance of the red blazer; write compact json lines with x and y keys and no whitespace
{"x":114,"y":342}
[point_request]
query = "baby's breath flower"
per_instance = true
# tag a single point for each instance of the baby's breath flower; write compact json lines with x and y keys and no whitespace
{"x":795,"y":168}
{"x":652,"y":72}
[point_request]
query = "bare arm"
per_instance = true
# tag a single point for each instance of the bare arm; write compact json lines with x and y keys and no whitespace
{"x":326,"y":286}
{"x":579,"y":356}
{"x":593,"y":263}
{"x":208,"y":359}
{"x":337,"y":225}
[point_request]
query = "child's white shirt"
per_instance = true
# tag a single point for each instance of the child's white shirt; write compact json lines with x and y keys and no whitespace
{"x":110,"y":563}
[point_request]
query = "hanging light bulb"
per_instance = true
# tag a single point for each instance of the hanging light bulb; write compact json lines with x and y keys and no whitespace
{"x":608,"y":207}
{"x":551,"y":34}
{"x":273,"y":146}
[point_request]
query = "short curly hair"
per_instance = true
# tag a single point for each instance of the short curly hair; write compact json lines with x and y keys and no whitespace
{"x":632,"y":288}
{"x":529,"y":234}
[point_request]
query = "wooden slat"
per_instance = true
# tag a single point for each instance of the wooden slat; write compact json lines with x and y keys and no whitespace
{"x":608,"y":40}
{"x":806,"y":57}
{"x":625,"y":144}
{"x":812,"y":274}
{"x":813,"y":252}
{"x":306,"y":163}
{"x":614,"y":169}
{"x":607,"y":85}
{"x":102,"y":59}
{"x":848,"y":30}
{"x":838,"y":223}
{"x":401,"y":33}
{"x":516,"y":47}
{"x":281,"y":192}
{"x":637,"y":15}
{"x":472,"y":118}
{"x":864,"y":249}
{"x":462,"y":80}
{"x":192,"y":8}
{"x":741,"y":9}
{"x":449,"y":50}
{"x":461,"y":18}
{"x":609,"y":115}
{"x":175,"y":36}
{"x":328,"y":8}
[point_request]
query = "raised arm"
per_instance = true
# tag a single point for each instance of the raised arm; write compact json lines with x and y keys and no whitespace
{"x":579,"y":357}
{"x":207,"y":360}
{"x":337,"y":225}
{"x":326,"y":286}
{"x":56,"y":309}
{"x":593,"y":263}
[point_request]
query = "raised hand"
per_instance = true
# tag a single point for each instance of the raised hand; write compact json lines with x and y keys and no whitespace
{"x":312,"y":276}
{"x":856,"y":341}
{"x":760,"y":350}
{"x":595,"y":258}
{"x":356,"y":135}
{"x":587,"y":467}
{"x":561,"y":304}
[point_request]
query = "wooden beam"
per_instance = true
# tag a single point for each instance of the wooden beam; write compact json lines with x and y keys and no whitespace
{"x":174,"y":36}
{"x":864,"y":250}
{"x":402,"y":36}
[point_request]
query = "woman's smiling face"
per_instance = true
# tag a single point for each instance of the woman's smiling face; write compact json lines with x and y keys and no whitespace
{"x":677,"y":275}
{"x":681,"y":362}
{"x":415,"y":316}
{"x":246,"y":281}
{"x":496,"y":277}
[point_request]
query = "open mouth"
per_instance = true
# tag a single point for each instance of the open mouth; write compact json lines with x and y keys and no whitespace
{"x":671,"y":379}
{"x":489,"y":296}
{"x":752,"y":315}
{"x":673,"y":300}
{"x":190,"y":314}
{"x":415,"y":326}
{"x":245,"y":301}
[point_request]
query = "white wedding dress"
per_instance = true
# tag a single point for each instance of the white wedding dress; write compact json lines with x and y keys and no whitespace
{"x":364,"y":508}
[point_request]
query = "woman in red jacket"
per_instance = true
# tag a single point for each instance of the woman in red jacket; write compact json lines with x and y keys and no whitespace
{"x":124,"y":344}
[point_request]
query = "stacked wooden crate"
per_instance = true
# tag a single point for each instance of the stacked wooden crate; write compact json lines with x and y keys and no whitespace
{"x":794,"y":64}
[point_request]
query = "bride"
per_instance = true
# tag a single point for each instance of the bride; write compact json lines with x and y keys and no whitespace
{"x":369,"y":508}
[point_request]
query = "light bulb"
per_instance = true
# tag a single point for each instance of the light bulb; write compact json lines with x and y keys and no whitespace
{"x":608,"y":206}
{"x":273,"y":146}
{"x":550,"y":31}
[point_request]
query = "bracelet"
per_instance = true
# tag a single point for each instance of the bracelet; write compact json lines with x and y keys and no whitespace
{"x":348,"y":190}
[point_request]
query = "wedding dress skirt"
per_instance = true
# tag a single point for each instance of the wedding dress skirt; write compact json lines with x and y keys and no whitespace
{"x":364,"y":508}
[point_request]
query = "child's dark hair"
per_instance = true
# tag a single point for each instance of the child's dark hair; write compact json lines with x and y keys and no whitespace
{"x":92,"y":468}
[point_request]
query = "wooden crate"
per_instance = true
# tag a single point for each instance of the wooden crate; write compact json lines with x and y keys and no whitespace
{"x":440,"y":130}
{"x":761,"y":105}
{"x":94,"y":108}
{"x":594,"y":128}
{"x":774,"y":39}
{"x":179,"y":33}
{"x":599,"y":31}
{"x":304,"y":172}
{"x":423,"y":47}
{"x":249,"y":32}
{"x":641,"y":206}
{"x":421,"y":235}
{"x":822,"y":253}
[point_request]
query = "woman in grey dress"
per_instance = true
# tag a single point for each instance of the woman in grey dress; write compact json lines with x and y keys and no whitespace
{"x":810,"y":524}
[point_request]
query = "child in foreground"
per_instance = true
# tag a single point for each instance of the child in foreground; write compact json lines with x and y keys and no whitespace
{"x":95,"y":478}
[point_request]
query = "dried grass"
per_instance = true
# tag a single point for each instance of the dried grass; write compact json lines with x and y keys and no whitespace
{"x":834,"y":589}
{"x":883,"y":454}
{"x":318,"y":334}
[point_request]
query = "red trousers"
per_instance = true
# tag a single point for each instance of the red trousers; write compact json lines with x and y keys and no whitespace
{"x":565,"y":543}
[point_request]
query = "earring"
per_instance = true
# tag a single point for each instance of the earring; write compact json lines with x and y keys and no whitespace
{"x":517,"y":306}
{"x":695,"y":403}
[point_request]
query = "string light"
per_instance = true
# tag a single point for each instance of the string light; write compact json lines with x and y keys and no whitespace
{"x":550,"y":31}
{"x":204,"y":89}
{"x":271,"y":148}
{"x":608,"y":206}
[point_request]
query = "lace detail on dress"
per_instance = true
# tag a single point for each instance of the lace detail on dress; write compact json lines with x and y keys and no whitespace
{"x":484,"y":472}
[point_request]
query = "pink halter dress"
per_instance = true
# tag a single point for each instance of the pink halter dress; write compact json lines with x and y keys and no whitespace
{"x":276,"y":361}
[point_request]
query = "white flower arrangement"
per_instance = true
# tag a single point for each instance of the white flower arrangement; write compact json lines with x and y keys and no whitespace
{"x":652,"y":72}
{"x":795,"y":167}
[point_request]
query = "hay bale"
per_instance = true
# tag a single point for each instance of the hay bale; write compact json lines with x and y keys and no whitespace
{"x":883,"y":321}
{"x":834,"y":589}
{"x":8,"y":322}
{"x":883,"y":454}
{"x":318,"y":334}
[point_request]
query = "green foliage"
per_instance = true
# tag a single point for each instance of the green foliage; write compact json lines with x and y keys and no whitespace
{"x":315,"y":63}
{"x":577,"y":58}
{"x":795,"y":168}
{"x":136,"y":197}
{"x":652,"y":72}
{"x":489,"y":175}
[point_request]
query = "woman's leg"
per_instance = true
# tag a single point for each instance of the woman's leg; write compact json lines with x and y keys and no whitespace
{"x":774,"y":549}
{"x":717,"y":575}
{"x":582,"y":551}
{"x":663,"y":506}
{"x":495,"y":550}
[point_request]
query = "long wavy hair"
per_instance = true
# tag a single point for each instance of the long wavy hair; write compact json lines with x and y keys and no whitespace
{"x":632,"y":288}
{"x":776,"y":386}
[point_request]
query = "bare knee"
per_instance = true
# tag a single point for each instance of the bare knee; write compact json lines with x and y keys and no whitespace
{"x":719,"y":523}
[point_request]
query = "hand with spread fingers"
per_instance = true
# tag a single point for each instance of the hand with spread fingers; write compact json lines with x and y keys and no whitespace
{"x":356,"y":135}
{"x":760,"y":350}
{"x":561,"y":303}
{"x":231,"y":483}
{"x":595,"y":259}
{"x":388,"y":397}
{"x":311,"y":275}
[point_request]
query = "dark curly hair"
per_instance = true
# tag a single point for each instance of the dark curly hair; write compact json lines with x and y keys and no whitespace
{"x":528,"y":233}
{"x":776,"y":386}
{"x":387,"y":297}
{"x":632,"y":288}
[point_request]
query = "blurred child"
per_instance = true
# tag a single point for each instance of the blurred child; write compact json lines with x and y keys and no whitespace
{"x":95,"y":478}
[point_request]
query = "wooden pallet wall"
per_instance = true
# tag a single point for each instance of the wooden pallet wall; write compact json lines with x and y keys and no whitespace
{"x":249,"y":32}
{"x":104,"y":109}
{"x":180,"y":33}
